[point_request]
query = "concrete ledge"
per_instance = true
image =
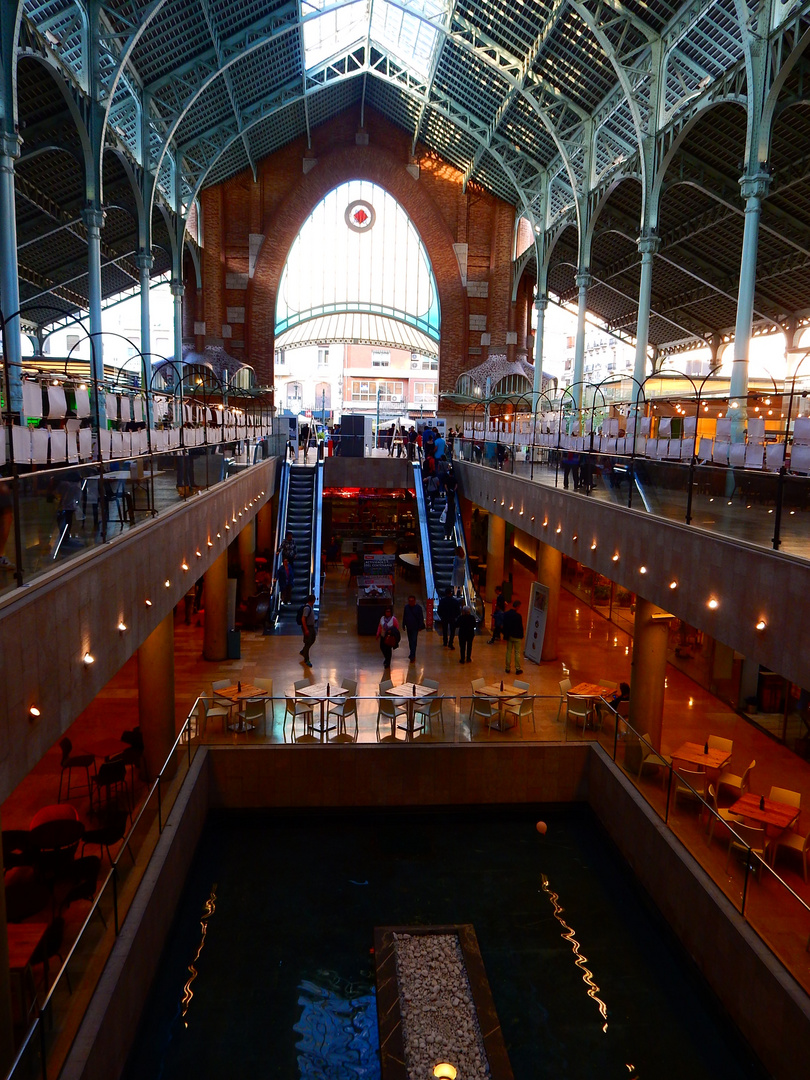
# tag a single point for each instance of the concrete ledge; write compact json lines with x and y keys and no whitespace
{"x":105,"y":1037}
{"x":410,"y":775}
{"x":764,"y":1001}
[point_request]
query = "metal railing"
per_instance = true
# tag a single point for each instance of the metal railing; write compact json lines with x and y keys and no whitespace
{"x":47,"y":1042}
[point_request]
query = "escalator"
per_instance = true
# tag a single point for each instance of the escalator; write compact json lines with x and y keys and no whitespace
{"x":438,"y":553}
{"x":300,"y":505}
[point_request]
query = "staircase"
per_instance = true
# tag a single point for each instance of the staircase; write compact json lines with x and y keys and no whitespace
{"x":300,"y":522}
{"x":442,"y":551}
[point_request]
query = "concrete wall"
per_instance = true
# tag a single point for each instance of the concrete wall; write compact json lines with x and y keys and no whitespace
{"x":750,"y":582}
{"x":374,"y":775}
{"x":105,"y":1038}
{"x":764,"y":1001}
{"x":45,"y":629}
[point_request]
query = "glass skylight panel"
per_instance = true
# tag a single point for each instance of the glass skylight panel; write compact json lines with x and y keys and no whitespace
{"x":412,"y":38}
{"x":334,"y":31}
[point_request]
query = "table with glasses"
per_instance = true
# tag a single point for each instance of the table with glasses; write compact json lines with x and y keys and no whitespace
{"x":236,"y":697}
{"x":775,"y":816}
{"x":502,"y":694}
{"x":323,"y":692}
{"x":410,"y":693}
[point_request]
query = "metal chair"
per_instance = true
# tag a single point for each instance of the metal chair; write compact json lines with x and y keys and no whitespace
{"x":430,"y":708}
{"x":725,"y":816}
{"x":733,"y":784}
{"x":72,"y":761}
{"x":751,"y":841}
{"x":342,"y":709}
{"x":565,"y":686}
{"x":520,"y":706}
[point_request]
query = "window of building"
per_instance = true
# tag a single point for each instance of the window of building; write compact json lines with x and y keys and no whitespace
{"x":323,"y":357}
{"x":294,"y":394}
{"x":423,"y":363}
{"x":365,"y":390}
{"x":380,"y":357}
{"x":424,"y":392}
{"x":278,"y":358}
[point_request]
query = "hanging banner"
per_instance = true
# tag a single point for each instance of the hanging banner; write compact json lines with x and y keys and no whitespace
{"x":536,"y":621}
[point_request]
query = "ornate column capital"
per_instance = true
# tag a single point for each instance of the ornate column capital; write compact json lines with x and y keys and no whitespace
{"x":10,"y":143}
{"x":648,"y":243}
{"x":584,"y":279}
{"x":93,"y":218}
{"x":540,"y":302}
{"x":755,"y":186}
{"x":144,"y":260}
{"x":178,"y":288}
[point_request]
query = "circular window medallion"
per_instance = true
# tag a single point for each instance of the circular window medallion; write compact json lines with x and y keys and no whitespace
{"x":360,"y":215}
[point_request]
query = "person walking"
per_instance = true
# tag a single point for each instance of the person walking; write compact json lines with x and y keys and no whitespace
{"x":308,"y":627}
{"x":388,"y":635}
{"x":513,"y":632}
{"x":450,"y":485}
{"x":286,"y":580}
{"x":459,"y":571}
{"x":289,"y":548}
{"x":413,"y":619}
{"x":466,"y":633}
{"x":498,"y":612}
{"x":448,"y":612}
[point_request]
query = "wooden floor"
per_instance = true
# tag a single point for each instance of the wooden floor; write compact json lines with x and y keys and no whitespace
{"x":590,"y":648}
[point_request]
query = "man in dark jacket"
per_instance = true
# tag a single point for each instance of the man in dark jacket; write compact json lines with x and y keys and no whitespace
{"x":448,"y":612}
{"x":466,"y":633}
{"x":513,"y":632}
{"x":413,"y":619}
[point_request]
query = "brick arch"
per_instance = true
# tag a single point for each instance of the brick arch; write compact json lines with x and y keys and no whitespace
{"x":280,"y":230}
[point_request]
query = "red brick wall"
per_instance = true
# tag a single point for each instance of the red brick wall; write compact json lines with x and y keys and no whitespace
{"x":279,"y":202}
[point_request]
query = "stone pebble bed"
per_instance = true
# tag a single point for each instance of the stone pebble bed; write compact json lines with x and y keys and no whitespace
{"x":439,"y":1021}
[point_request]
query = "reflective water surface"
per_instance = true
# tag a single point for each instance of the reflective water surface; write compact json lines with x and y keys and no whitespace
{"x":586,"y":979}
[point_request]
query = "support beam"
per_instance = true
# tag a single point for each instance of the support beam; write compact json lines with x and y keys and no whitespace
{"x":583,"y":281}
{"x":496,"y":540}
{"x":647,"y":245}
{"x":549,"y":573}
{"x":156,"y":694}
{"x":540,"y":305}
{"x":648,"y":671}
{"x":9,"y":274}
{"x":215,"y":602}
{"x":94,"y":220}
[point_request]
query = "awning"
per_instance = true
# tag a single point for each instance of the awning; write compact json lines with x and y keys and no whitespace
{"x":358,"y":328}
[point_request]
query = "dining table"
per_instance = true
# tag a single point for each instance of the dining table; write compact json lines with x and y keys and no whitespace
{"x":323,"y":692}
{"x":775,"y":816}
{"x":502,"y":692}
{"x":107,"y":748}
{"x":410,"y":693}
{"x":711,"y":759}
{"x":238,"y":694}
{"x":589,"y":692}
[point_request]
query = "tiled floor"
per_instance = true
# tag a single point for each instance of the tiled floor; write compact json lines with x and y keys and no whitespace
{"x":590,"y":648}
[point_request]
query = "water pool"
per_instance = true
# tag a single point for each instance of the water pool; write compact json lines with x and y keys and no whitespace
{"x":269,"y":970}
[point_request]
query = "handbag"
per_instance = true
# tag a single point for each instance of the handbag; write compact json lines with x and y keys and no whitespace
{"x":391,"y":639}
{"x":443,"y":516}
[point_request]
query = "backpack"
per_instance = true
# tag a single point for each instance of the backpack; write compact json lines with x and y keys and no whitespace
{"x":299,"y":615}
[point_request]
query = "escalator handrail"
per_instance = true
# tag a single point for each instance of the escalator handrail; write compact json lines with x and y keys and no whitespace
{"x":281,"y":532}
{"x":317,"y":535}
{"x":424,"y":533}
{"x":471,"y":596}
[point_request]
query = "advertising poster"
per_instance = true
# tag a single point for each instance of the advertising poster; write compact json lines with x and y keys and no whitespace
{"x":536,"y":622}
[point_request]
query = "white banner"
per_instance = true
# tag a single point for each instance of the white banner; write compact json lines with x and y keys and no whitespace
{"x":536,"y":622}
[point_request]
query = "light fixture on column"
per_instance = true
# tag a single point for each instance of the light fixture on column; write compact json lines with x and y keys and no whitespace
{"x":198,"y":553}
{"x":148,"y":603}
{"x":240,"y":514}
{"x":34,"y":712}
{"x":210,"y":543}
{"x":511,"y":506}
{"x":673,"y":584}
{"x":615,"y":556}
{"x":184,"y":566}
{"x":559,"y":529}
{"x":574,"y":538}
{"x":545,"y":523}
{"x":167,"y":583}
{"x":219,"y":536}
{"x":761,"y":624}
{"x":642,"y":569}
{"x":713,"y":603}
{"x":227,"y":528}
{"x":532,"y":517}
{"x":88,"y":659}
{"x":122,"y":627}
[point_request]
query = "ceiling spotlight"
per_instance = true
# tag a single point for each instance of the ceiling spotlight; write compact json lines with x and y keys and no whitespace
{"x":34,"y":711}
{"x":122,"y":627}
{"x":211,"y":542}
{"x":713,"y":603}
{"x":761,"y":624}
{"x":559,"y":529}
{"x":593,"y":546}
{"x":219,"y":537}
{"x":575,"y":538}
{"x":227,"y":528}
{"x":88,"y":659}
{"x":184,"y":566}
{"x":616,"y":557}
{"x":642,"y":569}
{"x":167,"y":583}
{"x":198,"y":553}
{"x":673,"y":584}
{"x":148,"y":603}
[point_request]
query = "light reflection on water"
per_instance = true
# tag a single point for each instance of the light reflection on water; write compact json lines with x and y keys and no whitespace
{"x":338,"y":1028}
{"x":188,"y":994}
{"x":587,"y":976}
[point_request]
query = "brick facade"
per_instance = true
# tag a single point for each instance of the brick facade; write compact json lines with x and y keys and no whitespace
{"x":277,"y":205}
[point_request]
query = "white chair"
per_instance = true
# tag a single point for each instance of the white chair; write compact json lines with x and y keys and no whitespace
{"x":690,"y":784}
{"x":725,"y":816}
{"x":520,"y":706}
{"x":578,"y":708}
{"x":296,"y":708}
{"x":786,"y":796}
{"x":717,"y":743}
{"x":267,"y":686}
{"x":487,"y":710}
{"x":648,"y":757}
{"x":565,"y":686}
{"x":343,"y":708}
{"x":220,"y":685}
{"x":477,"y":686}
{"x":733,"y":784}
{"x":430,"y":708}
{"x":389,"y":709}
{"x":207,"y":711}
{"x":252,"y":715}
{"x":792,"y":841}
{"x":748,"y":839}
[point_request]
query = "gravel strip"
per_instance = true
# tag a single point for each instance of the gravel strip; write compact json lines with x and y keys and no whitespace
{"x":439,"y":1022}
